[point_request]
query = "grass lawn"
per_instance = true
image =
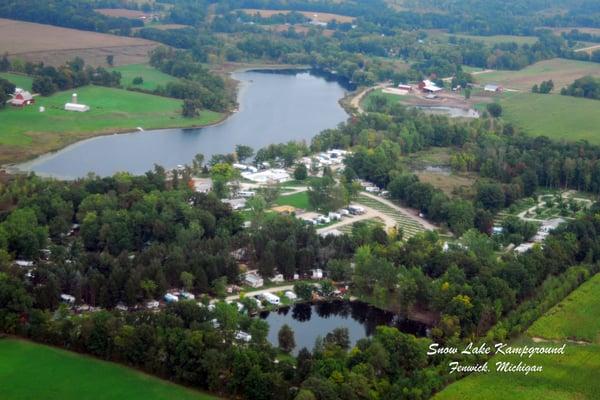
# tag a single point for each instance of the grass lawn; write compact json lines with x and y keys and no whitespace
{"x":33,"y":371}
{"x":27,"y":132}
{"x":555,"y":116}
{"x":298,"y":200}
{"x":151,"y":76}
{"x":576,"y":317}
{"x":21,"y":81}
{"x":392,"y":98}
{"x":569,"y":376}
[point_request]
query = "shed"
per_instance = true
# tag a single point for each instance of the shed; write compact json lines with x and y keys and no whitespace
{"x":254,"y":280}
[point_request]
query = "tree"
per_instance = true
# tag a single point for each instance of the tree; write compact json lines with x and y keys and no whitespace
{"x":189,"y":109}
{"x":110,"y":59}
{"x":461,"y":216}
{"x":494,"y":109}
{"x":138,"y":80}
{"x":148,"y":286}
{"x":304,"y":290}
{"x":43,"y":85}
{"x":187,"y":280}
{"x":301,"y":172}
{"x":339,"y":337}
{"x":243,"y":152}
{"x":286,"y":338}
{"x":324,"y":194}
{"x":490,"y":196}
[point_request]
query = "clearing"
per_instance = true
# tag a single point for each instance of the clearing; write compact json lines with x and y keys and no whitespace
{"x":569,"y":376}
{"x":562,"y":72}
{"x":123,"y":13}
{"x":496,"y":39}
{"x":558,"y":117}
{"x":21,"y":81}
{"x":297,"y":200}
{"x":316,"y":16}
{"x":55,"y":46}
{"x":151,"y":76}
{"x":27,"y":132}
{"x":58,"y":374}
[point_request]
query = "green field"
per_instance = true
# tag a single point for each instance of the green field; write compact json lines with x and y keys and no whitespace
{"x":571,"y":376}
{"x":151,"y":76}
{"x":34,"y":371}
{"x":561,"y":71}
{"x":21,"y":81}
{"x":27,"y":132}
{"x":495,"y":39}
{"x":392,"y":98}
{"x":298,"y":200}
{"x":576,"y":317}
{"x":555,"y":116}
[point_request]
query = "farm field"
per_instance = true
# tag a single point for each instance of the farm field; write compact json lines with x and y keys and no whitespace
{"x":122,"y":13}
{"x":561,"y":71}
{"x":321,"y":17}
{"x":54,"y":45}
{"x":58,"y":374}
{"x":569,"y":376}
{"x":408,"y":225}
{"x":555,"y":116}
{"x":447,"y":183}
{"x":576,"y":317}
{"x":27,"y":132}
{"x":21,"y":81}
{"x":151,"y":76}
{"x":495,"y":39}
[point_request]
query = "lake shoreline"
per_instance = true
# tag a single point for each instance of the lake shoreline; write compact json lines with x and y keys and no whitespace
{"x":29,"y":156}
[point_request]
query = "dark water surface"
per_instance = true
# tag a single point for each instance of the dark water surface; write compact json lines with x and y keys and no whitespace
{"x":275,"y":107}
{"x":308,"y":321}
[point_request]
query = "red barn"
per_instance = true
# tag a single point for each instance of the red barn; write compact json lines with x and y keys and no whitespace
{"x":21,"y":98}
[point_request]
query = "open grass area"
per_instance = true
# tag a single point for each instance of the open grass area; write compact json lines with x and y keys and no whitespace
{"x":555,"y":116}
{"x":33,"y":371}
{"x":495,"y":39}
{"x":569,"y":376}
{"x":298,"y":200}
{"x":576,"y":317}
{"x":21,"y":81}
{"x":152,"y":78}
{"x":392,"y":98}
{"x":26,"y":132}
{"x":409,"y":226}
{"x":561,"y":71}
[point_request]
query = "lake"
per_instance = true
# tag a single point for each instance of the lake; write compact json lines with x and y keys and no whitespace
{"x":275,"y":107}
{"x":309,"y":321}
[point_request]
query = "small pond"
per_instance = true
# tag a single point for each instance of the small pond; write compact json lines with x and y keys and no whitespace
{"x":309,"y":321}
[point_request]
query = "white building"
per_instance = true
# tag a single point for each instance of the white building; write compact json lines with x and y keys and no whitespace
{"x":243,"y":336}
{"x":254,"y":280}
{"x":269,"y":175}
{"x":187,"y":295}
{"x":290,"y":295}
{"x":75,"y":106}
{"x":171,"y":298}
{"x":317,"y":273}
{"x":152,"y":304}
{"x":67,"y":298}
{"x":271,"y":298}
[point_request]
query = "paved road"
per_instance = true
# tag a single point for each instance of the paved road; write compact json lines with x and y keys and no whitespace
{"x":261,"y":291}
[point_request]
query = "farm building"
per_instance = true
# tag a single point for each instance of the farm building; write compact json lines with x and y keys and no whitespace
{"x":408,"y":88}
{"x":493,"y":88}
{"x":75,"y":106}
{"x":429,"y":86}
{"x":21,"y":98}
